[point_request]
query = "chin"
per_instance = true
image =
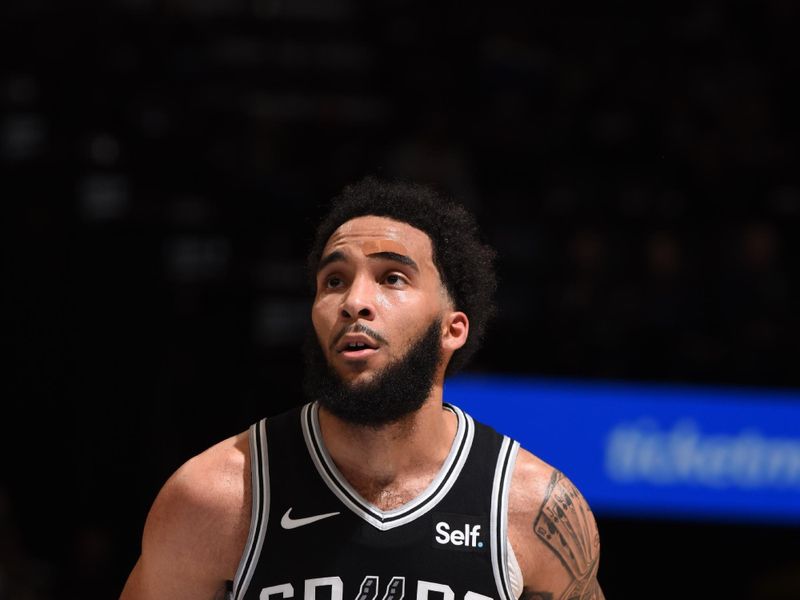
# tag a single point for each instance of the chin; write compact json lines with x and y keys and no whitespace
{"x":355,"y":380}
{"x":362,"y":370}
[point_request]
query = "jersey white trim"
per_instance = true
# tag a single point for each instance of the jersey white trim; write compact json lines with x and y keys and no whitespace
{"x":514,"y":572}
{"x":499,"y":517}
{"x":384,"y":520}
{"x":259,"y":512}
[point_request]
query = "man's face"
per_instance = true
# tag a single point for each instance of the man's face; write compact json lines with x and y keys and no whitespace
{"x":378,"y":292}
{"x":391,"y":394}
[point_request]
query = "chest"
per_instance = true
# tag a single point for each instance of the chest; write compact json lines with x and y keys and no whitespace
{"x":387,"y":496}
{"x":319,"y":536}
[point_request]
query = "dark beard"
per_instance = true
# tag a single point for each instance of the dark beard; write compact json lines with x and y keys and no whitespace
{"x":397,"y":390}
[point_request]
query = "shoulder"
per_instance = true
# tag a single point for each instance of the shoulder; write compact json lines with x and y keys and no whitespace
{"x":196,"y":528}
{"x":210,"y":488}
{"x":210,"y":484}
{"x":553,"y":532}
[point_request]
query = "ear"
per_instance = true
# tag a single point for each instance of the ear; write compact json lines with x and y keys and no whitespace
{"x":455,"y":330}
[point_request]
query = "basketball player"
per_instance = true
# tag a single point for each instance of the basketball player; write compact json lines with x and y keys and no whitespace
{"x":377,"y":489}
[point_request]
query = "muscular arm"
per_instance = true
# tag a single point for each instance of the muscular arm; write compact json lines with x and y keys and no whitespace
{"x":196,"y":529}
{"x":554,"y":533}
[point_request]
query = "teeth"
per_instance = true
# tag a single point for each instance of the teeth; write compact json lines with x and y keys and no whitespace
{"x":356,"y":345}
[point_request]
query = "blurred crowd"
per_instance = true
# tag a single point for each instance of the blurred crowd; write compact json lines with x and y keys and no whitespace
{"x":164,"y":161}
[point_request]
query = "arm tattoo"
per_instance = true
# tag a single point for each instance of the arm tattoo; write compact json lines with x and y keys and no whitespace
{"x":531,"y":595}
{"x":566,"y":525}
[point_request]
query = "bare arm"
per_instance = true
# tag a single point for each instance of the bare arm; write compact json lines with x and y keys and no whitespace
{"x":196,"y":528}
{"x":555,"y":534}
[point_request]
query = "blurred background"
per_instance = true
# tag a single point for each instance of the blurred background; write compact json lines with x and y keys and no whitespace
{"x":163,"y":163}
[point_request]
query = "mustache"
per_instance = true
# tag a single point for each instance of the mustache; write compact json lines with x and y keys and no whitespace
{"x":358,"y":328}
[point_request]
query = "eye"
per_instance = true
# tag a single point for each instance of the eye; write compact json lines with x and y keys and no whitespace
{"x":334,"y":281}
{"x":395,"y":279}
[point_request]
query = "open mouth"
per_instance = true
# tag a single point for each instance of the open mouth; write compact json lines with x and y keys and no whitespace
{"x":356,"y":346}
{"x":358,"y":352}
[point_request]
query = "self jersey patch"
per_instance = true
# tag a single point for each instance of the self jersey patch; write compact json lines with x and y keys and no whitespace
{"x":463,"y":533}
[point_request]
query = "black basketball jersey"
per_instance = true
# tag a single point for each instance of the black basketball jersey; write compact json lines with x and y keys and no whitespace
{"x":313,"y":537}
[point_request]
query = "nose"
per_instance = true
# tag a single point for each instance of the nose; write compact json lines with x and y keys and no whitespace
{"x":358,"y":302}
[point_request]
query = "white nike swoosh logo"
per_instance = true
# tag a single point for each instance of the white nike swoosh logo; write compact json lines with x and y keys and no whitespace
{"x":288,"y":522}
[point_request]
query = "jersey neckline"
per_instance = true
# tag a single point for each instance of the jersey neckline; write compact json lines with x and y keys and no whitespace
{"x":424,"y":502}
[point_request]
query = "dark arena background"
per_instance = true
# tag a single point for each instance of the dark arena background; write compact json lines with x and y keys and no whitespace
{"x":162,"y":166}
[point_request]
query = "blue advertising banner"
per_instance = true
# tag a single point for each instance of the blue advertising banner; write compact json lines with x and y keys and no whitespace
{"x":654,"y":450}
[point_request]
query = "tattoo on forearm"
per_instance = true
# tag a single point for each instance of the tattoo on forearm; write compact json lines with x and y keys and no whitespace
{"x":566,"y":525}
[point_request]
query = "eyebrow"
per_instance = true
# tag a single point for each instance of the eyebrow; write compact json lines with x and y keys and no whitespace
{"x":338,"y":256}
{"x":334,"y":256}
{"x":401,"y":258}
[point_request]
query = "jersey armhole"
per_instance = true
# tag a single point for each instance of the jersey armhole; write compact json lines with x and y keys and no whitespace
{"x":259,"y":510}
{"x":501,"y":557}
{"x":514,"y":573}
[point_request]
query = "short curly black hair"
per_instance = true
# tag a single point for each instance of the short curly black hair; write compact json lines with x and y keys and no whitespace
{"x":465,"y":262}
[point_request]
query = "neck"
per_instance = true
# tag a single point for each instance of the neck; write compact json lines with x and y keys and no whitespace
{"x":374,"y":459}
